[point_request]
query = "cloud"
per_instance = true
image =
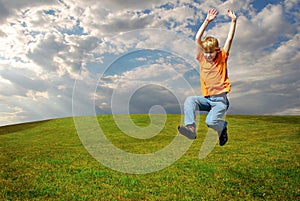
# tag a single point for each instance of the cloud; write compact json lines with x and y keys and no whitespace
{"x":3,"y":10}
{"x":156,"y":83}
{"x":23,"y":81}
{"x":12,"y":114}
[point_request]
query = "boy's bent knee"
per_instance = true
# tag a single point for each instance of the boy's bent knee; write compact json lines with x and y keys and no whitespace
{"x":211,"y":123}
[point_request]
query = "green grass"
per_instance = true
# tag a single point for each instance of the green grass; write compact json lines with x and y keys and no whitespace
{"x":46,"y":161}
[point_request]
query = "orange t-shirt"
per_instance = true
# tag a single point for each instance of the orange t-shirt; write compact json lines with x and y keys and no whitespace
{"x":213,"y":76}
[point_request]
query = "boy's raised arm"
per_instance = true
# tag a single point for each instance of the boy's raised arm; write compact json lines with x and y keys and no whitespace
{"x":231,"y":31}
{"x":212,"y":13}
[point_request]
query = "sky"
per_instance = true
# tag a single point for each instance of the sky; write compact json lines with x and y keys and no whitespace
{"x":61,"y":58}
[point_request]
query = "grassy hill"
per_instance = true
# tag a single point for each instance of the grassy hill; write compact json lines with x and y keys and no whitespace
{"x":47,"y":161}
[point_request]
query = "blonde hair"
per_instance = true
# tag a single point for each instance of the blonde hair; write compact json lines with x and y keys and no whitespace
{"x":210,"y":44}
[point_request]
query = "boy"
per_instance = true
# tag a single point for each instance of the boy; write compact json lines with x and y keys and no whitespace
{"x":214,"y":82}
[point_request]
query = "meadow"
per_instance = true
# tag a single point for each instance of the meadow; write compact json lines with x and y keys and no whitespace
{"x":46,"y":161}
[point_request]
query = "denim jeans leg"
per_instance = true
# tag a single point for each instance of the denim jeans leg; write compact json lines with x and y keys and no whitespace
{"x":214,"y":117}
{"x":193,"y":104}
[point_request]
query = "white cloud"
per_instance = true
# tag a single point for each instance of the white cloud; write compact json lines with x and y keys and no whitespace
{"x":12,"y":114}
{"x":291,"y":4}
{"x":289,"y":111}
{"x":156,"y":76}
{"x":35,"y":95}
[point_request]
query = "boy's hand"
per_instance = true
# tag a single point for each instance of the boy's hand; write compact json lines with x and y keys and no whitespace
{"x":231,"y":14}
{"x":211,"y":15}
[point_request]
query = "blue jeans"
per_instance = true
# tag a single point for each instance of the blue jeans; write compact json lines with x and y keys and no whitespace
{"x":216,"y":106}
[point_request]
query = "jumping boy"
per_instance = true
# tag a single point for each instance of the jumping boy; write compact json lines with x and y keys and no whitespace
{"x":214,"y":82}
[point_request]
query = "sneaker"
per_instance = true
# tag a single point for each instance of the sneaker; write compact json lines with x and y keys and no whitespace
{"x":188,"y":131}
{"x":223,"y":137}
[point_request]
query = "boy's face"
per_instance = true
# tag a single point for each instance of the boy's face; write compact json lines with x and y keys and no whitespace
{"x":210,"y":56}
